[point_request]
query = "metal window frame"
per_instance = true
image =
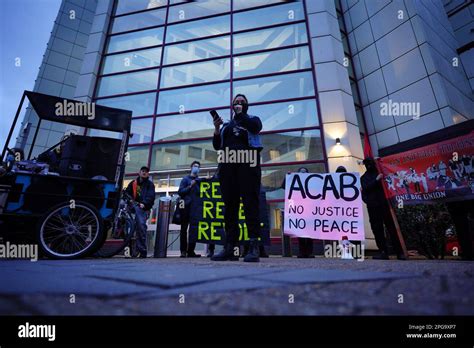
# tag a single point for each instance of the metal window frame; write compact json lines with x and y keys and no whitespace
{"x":231,"y":80}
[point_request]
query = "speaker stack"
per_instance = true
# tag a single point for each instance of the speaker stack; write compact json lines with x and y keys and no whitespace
{"x":87,"y":157}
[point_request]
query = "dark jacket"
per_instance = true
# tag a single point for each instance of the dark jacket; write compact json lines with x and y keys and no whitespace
{"x":185,"y":188}
{"x":372,"y":190}
{"x":147,"y":193}
{"x":252,"y":124}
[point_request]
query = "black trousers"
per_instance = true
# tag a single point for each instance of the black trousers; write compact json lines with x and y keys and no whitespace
{"x":184,"y":246}
{"x":378,"y":217}
{"x":305,"y":246}
{"x":240,"y":180}
{"x":459,"y":212}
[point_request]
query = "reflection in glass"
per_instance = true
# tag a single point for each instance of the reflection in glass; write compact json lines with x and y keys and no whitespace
{"x":138,"y":157}
{"x":180,"y":155}
{"x":128,"y":83}
{"x":132,"y":60}
{"x":294,"y":146}
{"x":276,"y":87}
{"x":180,"y":75}
{"x":273,"y":176}
{"x":184,"y":99}
{"x":241,"y":4}
{"x":201,"y":49}
{"x":197,"y":29}
{"x":141,"y":131}
{"x":272,"y":62}
{"x":186,"y":126}
{"x":287,"y":115}
{"x":284,"y":13}
{"x":126,"y":6}
{"x":287,"y":35}
{"x":197,"y":9}
{"x":139,"y":104}
{"x":138,"y":39}
{"x":139,"y":21}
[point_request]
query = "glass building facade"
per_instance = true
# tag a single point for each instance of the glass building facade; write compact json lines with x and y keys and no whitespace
{"x":316,"y":73}
{"x":170,"y":63}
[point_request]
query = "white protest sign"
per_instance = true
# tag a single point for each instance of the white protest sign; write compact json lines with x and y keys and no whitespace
{"x":324,"y":206}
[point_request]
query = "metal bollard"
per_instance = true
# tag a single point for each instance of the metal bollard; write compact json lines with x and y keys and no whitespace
{"x":162,"y":227}
{"x":285,"y":240}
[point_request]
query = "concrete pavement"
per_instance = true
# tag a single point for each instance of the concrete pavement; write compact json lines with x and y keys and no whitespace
{"x":275,"y":286}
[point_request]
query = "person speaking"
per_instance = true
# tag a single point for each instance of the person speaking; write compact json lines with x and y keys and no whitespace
{"x":239,"y":177}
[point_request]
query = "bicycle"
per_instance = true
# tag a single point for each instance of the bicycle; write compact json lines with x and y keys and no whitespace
{"x":122,"y":232}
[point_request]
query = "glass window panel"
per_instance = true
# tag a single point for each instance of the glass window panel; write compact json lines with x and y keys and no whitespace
{"x":195,"y":50}
{"x":345,"y":43}
{"x":287,"y":115}
{"x":355,"y":93}
{"x":295,"y":146}
{"x":351,"y":68}
{"x":103,"y":133}
{"x":138,"y":157}
{"x":196,"y":9}
{"x":138,"y":39}
{"x":340,"y":21}
{"x":180,"y":75}
{"x":139,"y":21}
{"x":241,"y":4}
{"x":272,"y":177}
{"x":186,"y":126}
{"x":270,"y":38}
{"x":288,"y":12}
{"x":141,"y":131}
{"x":360,"y":120}
{"x":132,"y":60}
{"x":276,"y":87}
{"x":183,"y":99}
{"x":180,"y":155}
{"x":272,"y":62}
{"x":139,"y":104}
{"x":197,"y":29}
{"x":128,"y":83}
{"x":126,"y":6}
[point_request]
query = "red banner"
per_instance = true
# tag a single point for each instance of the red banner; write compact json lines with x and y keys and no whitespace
{"x":441,"y":172}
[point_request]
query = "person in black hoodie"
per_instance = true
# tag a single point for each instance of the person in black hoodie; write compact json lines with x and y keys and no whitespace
{"x":239,"y":179}
{"x":379,"y":211}
{"x":142,"y":191}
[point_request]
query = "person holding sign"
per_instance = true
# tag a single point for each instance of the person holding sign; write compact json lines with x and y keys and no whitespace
{"x":379,"y":211}
{"x":305,"y":245}
{"x":238,"y":145}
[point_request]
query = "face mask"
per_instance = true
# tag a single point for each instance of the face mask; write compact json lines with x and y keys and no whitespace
{"x":195,"y":170}
{"x":238,"y":108}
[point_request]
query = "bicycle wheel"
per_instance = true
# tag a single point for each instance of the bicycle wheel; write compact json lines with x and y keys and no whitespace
{"x":69,"y":233}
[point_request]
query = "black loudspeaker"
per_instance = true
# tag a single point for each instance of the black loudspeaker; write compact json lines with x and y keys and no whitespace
{"x":87,"y":157}
{"x":103,"y":156}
